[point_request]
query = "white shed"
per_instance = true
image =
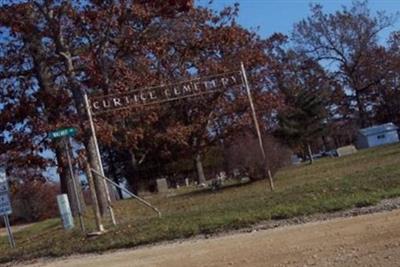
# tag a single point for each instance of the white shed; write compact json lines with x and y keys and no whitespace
{"x":377,"y":135}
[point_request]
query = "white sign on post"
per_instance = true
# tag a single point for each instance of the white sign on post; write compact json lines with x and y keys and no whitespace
{"x":65,"y":211}
{"x":3,"y":178}
{"x":5,"y":203}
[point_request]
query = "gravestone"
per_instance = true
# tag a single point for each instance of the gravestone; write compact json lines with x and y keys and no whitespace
{"x":244,"y":180}
{"x":346,"y":150}
{"x":162,"y":185}
{"x":236,"y":173}
{"x":296,"y":160}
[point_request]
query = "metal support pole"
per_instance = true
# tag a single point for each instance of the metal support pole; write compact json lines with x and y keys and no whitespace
{"x":9,"y":232}
{"x":72,"y":176}
{"x":129,"y":193}
{"x":93,"y":130}
{"x":253,"y":112}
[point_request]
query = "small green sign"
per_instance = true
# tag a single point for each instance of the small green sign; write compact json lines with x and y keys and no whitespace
{"x":62,"y":132}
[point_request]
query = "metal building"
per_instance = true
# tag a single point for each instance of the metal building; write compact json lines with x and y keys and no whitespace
{"x":377,"y":135}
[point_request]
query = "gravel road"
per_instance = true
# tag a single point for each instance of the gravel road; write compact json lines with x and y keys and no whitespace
{"x":365,"y":240}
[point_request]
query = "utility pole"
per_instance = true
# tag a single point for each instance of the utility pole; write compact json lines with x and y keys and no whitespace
{"x":95,"y":205}
{"x":253,"y":112}
{"x":93,"y":131}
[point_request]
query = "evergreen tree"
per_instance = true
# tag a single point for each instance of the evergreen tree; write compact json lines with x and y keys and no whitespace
{"x":305,"y":88}
{"x":304,"y":121}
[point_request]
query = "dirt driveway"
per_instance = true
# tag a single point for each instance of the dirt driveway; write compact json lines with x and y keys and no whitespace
{"x":368,"y":240}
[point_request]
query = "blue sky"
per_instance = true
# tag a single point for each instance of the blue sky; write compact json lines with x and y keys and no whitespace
{"x":280,"y":15}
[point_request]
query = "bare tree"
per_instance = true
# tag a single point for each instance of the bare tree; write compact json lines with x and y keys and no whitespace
{"x":345,"y":40}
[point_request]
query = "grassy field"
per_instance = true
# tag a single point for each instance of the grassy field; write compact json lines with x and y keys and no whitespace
{"x":329,"y":185}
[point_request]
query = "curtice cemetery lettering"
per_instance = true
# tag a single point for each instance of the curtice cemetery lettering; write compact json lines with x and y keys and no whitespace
{"x":166,"y":93}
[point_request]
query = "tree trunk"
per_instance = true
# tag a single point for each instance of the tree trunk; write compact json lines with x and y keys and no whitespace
{"x":67,"y":186}
{"x":77,"y":95}
{"x":77,"y":181}
{"x":199,"y":168}
{"x":64,"y":177}
{"x":325,"y":143}
{"x":363,"y":118}
{"x":132,"y":173}
{"x":46,"y":84}
{"x":61,"y":170}
{"x":113,"y":175}
{"x":310,"y":154}
{"x":45,"y":80}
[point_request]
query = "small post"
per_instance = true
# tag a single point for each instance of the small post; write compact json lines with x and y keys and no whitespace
{"x":96,"y":210}
{"x":65,"y":212}
{"x":93,"y":130}
{"x":72,"y":176}
{"x":253,"y":112}
{"x":9,"y":232}
{"x":271,"y":181}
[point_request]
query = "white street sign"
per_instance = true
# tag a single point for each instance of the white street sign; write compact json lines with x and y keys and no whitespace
{"x":3,"y":188}
{"x":5,"y":203}
{"x":3,"y":178}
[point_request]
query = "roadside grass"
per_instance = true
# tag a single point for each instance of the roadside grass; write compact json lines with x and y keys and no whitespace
{"x":329,"y":185}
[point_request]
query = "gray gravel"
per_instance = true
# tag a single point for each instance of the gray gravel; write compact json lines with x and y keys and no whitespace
{"x":384,"y":205}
